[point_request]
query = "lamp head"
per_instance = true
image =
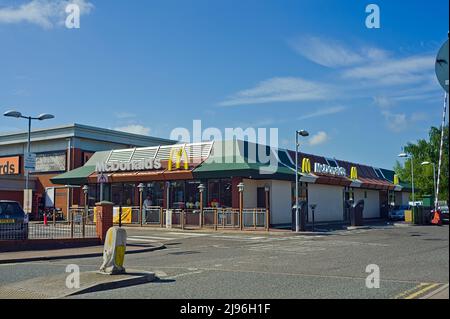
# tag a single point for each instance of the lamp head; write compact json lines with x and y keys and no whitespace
{"x":12,"y":113}
{"x":45,"y":116}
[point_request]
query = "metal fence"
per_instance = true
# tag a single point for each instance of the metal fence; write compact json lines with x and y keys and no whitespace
{"x":79,"y":224}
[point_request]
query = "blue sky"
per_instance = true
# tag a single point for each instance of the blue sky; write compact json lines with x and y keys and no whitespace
{"x":152,"y":66}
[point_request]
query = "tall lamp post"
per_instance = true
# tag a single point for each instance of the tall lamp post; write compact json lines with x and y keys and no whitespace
{"x":201,"y":189}
{"x":141,"y":209}
{"x":241,"y":204}
{"x":434,"y":180}
{"x":404,"y":155}
{"x":86,"y":208}
{"x":302,"y":133}
{"x":18,"y":115}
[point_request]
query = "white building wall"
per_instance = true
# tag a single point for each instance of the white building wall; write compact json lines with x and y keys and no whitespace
{"x":280,"y":202}
{"x":280,"y":198}
{"x":329,"y":200}
{"x":371,"y":202}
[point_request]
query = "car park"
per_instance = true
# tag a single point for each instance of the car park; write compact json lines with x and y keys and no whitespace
{"x":13,"y":221}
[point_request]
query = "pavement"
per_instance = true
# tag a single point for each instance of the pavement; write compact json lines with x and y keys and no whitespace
{"x":413,"y":263}
{"x":70,"y":253}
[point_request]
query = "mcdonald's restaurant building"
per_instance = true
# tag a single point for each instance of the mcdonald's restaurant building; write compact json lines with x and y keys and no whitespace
{"x":234,"y":173}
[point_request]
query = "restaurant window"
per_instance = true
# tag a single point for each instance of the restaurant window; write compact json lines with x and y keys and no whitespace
{"x":93,"y":194}
{"x":155,"y":191}
{"x":192,"y":194}
{"x":220,"y":193}
{"x":124,"y":194}
{"x":177,"y":194}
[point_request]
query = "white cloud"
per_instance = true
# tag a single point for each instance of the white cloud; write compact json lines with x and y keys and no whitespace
{"x":319,"y":138}
{"x":323,"y":112}
{"x":134,"y":129}
{"x":44,"y":13}
{"x":394,"y":72}
{"x":332,"y":53}
{"x":398,"y":122}
{"x":280,"y":89}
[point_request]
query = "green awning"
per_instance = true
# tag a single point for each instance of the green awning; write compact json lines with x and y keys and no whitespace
{"x":78,"y":176}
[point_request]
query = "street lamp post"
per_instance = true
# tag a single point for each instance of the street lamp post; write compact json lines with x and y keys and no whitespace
{"x":86,"y":208}
{"x":41,"y":117}
{"x":141,"y":209}
{"x":267,"y":191}
{"x":404,"y":155}
{"x":434,"y":181}
{"x":241,"y":204}
{"x":201,"y":189}
{"x":304,"y":134}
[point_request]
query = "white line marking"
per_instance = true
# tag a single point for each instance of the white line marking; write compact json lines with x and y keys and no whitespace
{"x":153,"y":237}
{"x":188,"y":234}
{"x":141,"y":240}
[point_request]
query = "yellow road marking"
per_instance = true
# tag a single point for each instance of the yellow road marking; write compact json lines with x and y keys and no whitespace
{"x":416,"y":291}
{"x":422,"y":291}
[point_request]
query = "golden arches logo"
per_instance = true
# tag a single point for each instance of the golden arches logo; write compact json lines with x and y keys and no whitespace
{"x":354,"y":173}
{"x":306,"y":166}
{"x":396,"y":180}
{"x":180,"y":153}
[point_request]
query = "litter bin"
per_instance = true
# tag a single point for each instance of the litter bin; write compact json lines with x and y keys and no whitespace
{"x":302,"y":211}
{"x":356,"y":213}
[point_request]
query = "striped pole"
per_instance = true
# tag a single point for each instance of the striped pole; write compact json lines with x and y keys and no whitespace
{"x":440,"y":151}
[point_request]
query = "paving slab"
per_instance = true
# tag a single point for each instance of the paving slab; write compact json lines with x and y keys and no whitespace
{"x":53,"y":287}
{"x":68,"y":253}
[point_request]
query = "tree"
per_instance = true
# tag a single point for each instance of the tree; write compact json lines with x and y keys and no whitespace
{"x":423,"y":151}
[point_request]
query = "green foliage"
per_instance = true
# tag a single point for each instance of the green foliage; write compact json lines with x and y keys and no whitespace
{"x":422,"y":151}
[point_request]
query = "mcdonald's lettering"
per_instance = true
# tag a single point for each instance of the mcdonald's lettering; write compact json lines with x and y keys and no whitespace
{"x":180,"y":153}
{"x":306,"y":166}
{"x":354,"y":173}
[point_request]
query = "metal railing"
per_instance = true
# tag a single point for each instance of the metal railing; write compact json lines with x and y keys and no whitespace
{"x":78,"y":224}
{"x":223,"y":218}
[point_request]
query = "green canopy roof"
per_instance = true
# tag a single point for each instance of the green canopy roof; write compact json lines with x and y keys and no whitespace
{"x":77,"y":176}
{"x":240,"y":163}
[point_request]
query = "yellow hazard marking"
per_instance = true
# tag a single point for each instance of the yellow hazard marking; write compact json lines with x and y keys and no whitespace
{"x":416,"y":291}
{"x":120,"y":256}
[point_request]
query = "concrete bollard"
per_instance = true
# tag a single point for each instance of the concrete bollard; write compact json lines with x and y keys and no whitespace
{"x":114,"y":251}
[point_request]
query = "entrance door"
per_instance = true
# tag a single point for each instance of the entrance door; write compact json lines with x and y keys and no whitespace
{"x":384,"y":204}
{"x":261,"y":198}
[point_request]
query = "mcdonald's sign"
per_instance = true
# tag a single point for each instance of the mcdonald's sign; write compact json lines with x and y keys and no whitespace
{"x":354,"y":173}
{"x":306,"y":166}
{"x":396,"y":180}
{"x":180,"y":154}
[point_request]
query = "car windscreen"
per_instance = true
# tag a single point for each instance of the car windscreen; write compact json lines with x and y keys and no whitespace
{"x":11,"y":210}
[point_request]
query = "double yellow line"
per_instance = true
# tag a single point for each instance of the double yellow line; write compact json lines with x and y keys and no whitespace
{"x":417,"y":291}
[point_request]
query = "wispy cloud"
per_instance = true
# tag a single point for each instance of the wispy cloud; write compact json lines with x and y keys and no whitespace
{"x":319,"y":138}
{"x":323,"y":112}
{"x":134,"y":129}
{"x":280,"y":89}
{"x":398,"y":122}
{"x":394,"y":72}
{"x":43,"y":13}
{"x":332,"y":53}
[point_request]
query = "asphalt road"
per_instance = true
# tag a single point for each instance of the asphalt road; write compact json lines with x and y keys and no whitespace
{"x":413,"y":262}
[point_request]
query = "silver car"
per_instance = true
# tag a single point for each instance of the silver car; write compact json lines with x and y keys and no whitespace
{"x":13,"y":221}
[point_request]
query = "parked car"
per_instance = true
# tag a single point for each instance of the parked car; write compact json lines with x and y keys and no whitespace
{"x":398,"y":212}
{"x":444,"y":213}
{"x":13,"y":221}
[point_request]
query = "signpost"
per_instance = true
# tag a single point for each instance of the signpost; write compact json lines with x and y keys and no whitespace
{"x":442,"y":62}
{"x":27,"y":200}
{"x":29,"y":162}
{"x":102,"y":179}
